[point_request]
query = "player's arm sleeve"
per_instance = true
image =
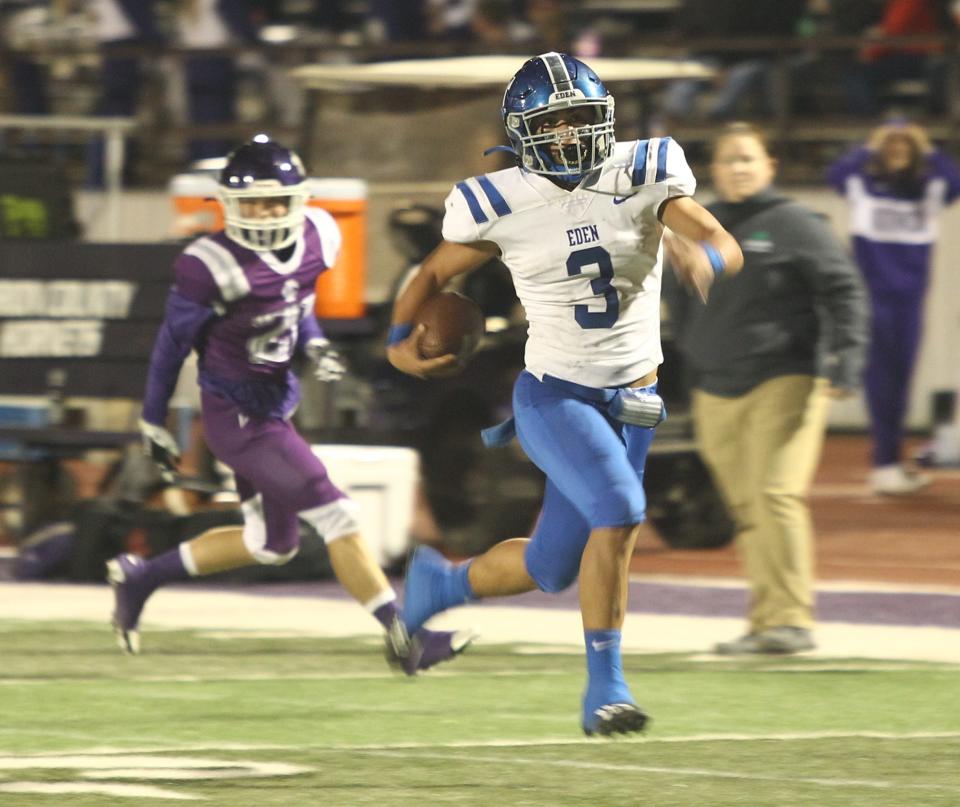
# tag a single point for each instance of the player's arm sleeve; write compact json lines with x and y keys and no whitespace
{"x":464,"y":220}
{"x":309,"y":329}
{"x":839,"y":293}
{"x":190,"y":306}
{"x":846,"y":166}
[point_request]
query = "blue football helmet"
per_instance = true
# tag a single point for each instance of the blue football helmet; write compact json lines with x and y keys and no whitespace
{"x":263,"y":169}
{"x":550,"y":83}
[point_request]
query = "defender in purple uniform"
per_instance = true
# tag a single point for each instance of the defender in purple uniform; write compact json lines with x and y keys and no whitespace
{"x":243,"y":299}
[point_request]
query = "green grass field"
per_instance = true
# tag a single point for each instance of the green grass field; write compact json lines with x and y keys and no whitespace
{"x":228,"y":719}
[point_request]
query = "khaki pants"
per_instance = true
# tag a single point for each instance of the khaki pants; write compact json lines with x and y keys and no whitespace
{"x":763,"y":449}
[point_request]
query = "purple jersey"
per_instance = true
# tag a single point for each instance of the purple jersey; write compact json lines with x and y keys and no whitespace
{"x":892,"y":231}
{"x":245,"y":313}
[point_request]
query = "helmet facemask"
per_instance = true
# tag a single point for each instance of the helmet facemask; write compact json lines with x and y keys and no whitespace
{"x":264,"y":234}
{"x":569,"y":152}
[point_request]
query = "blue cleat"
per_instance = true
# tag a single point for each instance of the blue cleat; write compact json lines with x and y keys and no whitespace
{"x":432,"y":585}
{"x":129,"y":597}
{"x":427,"y":588}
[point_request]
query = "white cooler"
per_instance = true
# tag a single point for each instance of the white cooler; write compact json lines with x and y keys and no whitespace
{"x":382,"y":481}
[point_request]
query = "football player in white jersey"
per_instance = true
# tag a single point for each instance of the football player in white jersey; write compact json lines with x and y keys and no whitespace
{"x":579,"y":222}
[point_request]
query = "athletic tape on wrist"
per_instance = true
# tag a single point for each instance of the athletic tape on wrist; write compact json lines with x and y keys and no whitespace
{"x":398,"y":333}
{"x":716,"y":259}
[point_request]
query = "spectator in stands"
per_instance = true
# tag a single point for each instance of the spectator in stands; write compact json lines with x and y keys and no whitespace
{"x":26,"y":74}
{"x":211,"y":78}
{"x":813,"y":73}
{"x":768,"y":349}
{"x":398,"y":20}
{"x":121,"y":26}
{"x":494,"y":26}
{"x":449,"y":19}
{"x":741,"y":76}
{"x":549,"y":20}
{"x":896,"y":185}
{"x":878,"y":66}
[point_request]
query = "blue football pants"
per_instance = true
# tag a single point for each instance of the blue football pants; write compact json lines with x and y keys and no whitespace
{"x":594,"y":468}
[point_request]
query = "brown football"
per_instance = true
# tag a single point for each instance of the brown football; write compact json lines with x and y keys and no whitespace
{"x":454,"y":324}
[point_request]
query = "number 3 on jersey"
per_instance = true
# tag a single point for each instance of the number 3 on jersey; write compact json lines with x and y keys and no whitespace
{"x":602,"y":286}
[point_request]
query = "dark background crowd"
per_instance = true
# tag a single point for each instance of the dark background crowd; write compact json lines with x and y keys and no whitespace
{"x":196,"y":74}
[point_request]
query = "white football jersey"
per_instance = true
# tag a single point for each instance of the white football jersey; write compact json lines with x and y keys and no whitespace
{"x":586,"y":263}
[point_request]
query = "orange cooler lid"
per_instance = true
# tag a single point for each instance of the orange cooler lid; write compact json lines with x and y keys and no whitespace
{"x":333,"y":188}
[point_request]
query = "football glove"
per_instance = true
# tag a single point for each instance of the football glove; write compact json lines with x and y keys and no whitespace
{"x":159,"y":445}
{"x":328,"y":364}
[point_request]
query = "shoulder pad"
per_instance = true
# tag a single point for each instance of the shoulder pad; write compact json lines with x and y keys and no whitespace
{"x":661,"y":159}
{"x":328,"y":230}
{"x":476,"y":203}
{"x":227,"y":272}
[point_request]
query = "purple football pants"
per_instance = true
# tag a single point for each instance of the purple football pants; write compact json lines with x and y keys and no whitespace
{"x":896,"y":325}
{"x":269,"y":458}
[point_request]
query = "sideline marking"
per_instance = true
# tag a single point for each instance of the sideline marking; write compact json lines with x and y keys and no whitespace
{"x":848,"y":586}
{"x":498,"y":743}
{"x":358,"y":676}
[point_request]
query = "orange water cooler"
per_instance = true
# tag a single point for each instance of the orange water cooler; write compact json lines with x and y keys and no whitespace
{"x":341,"y":289}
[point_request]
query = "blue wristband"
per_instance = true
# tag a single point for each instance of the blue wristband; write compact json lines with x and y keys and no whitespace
{"x":398,"y":333}
{"x":716,"y":259}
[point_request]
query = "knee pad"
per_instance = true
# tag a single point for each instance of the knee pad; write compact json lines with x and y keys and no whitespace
{"x":551,"y":574}
{"x":621,"y":505}
{"x":333,"y":520}
{"x":267,"y":557}
{"x":255,"y":536}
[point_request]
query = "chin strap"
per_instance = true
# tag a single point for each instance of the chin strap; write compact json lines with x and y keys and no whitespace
{"x":508,"y":149}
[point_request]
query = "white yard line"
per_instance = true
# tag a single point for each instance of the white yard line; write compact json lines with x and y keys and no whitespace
{"x":445,"y":672}
{"x":100,"y":789}
{"x":540,"y":742}
{"x":140,"y":762}
{"x":690,"y":772}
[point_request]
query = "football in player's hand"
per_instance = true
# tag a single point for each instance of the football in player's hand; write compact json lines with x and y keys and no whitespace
{"x":454,"y":324}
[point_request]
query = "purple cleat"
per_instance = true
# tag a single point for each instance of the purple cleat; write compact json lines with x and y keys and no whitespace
{"x":426,"y":649}
{"x":129,"y":597}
